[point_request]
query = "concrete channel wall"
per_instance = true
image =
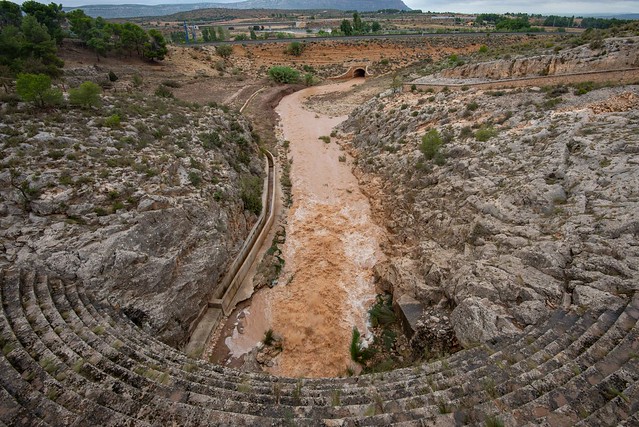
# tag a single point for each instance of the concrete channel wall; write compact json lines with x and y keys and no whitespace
{"x":223,"y":300}
{"x":627,"y":75}
{"x":245,"y":258}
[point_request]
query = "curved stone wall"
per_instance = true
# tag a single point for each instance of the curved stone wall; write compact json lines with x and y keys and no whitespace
{"x":67,"y":360}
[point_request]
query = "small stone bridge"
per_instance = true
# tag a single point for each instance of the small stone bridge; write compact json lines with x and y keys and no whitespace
{"x":355,"y":69}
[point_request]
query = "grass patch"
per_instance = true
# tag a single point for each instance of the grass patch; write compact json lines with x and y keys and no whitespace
{"x":484,"y":133}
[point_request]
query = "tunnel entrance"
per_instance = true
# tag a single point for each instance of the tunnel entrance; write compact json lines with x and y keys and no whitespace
{"x":359,"y":72}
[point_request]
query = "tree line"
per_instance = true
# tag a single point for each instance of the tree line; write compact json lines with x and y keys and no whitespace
{"x":358,"y":27}
{"x":520,"y":21}
{"x":30,"y":35}
{"x":124,"y":39}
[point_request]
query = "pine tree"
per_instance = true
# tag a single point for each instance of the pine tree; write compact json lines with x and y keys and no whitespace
{"x":36,"y":88}
{"x":155,"y":48}
{"x":346,"y":27}
{"x":358,"y":26}
{"x":38,"y":50}
{"x":51,"y":16}
{"x":10,"y":14}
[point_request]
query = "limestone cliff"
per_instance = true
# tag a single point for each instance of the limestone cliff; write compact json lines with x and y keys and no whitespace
{"x":613,"y":53}
{"x":140,"y":200}
{"x":530,"y":203}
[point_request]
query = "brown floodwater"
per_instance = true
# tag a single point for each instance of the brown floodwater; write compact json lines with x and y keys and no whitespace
{"x":326,"y":287}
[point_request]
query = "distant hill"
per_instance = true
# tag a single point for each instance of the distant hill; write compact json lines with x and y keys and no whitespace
{"x":135,"y":10}
{"x":612,"y":15}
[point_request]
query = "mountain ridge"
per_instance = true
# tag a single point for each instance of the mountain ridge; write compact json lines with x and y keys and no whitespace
{"x":109,"y":11}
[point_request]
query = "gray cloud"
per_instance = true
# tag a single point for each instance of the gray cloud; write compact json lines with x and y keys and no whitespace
{"x":544,"y":6}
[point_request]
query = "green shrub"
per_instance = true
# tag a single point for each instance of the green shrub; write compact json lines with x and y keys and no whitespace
{"x":86,"y":95}
{"x":269,"y":338}
{"x":163,"y":92}
{"x":31,"y":87}
{"x":493,"y":421}
{"x":66,"y":179}
{"x":112,"y":121}
{"x":484,"y":133}
{"x":356,"y":348}
{"x":483,"y":49}
{"x":309,"y":79}
{"x":382,"y":313}
{"x":210,"y":140}
{"x":285,"y":75}
{"x":195,"y":178}
{"x":251,"y":193}
{"x":224,"y":50}
{"x":431,"y":142}
{"x":172,"y":83}
{"x":466,"y":132}
{"x":551,"y":103}
{"x":583,"y":88}
{"x":359,"y":353}
{"x":53,"y":97}
{"x":295,"y":48}
{"x":472,"y":106}
{"x":439,"y":159}
{"x":137,"y":80}
{"x":56,"y":154}
{"x":36,"y":88}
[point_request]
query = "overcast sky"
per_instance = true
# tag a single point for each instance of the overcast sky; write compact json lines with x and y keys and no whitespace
{"x":546,"y":7}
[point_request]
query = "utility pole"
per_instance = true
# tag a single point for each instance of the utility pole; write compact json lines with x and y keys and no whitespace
{"x":186,"y":32}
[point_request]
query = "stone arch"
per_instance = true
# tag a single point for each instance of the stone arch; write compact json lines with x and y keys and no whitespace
{"x":354,"y":70}
{"x":359,"y":72}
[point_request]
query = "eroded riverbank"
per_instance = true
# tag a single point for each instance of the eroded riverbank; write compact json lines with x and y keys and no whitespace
{"x":326,"y":287}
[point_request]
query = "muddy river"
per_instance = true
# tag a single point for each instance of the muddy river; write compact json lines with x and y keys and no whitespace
{"x":326,"y":287}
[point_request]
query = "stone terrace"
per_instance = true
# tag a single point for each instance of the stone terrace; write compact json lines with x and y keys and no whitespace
{"x":67,"y":360}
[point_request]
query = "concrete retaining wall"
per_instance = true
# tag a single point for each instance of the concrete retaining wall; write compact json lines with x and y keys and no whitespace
{"x":224,"y":296}
{"x":245,"y":258}
{"x":628,"y":75}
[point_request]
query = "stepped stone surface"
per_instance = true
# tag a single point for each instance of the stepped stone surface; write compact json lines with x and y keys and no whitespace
{"x":69,"y":359}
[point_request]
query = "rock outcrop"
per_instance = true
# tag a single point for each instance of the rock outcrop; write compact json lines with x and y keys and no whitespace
{"x":139,"y":200}
{"x":614,"y":53}
{"x":529,"y":204}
